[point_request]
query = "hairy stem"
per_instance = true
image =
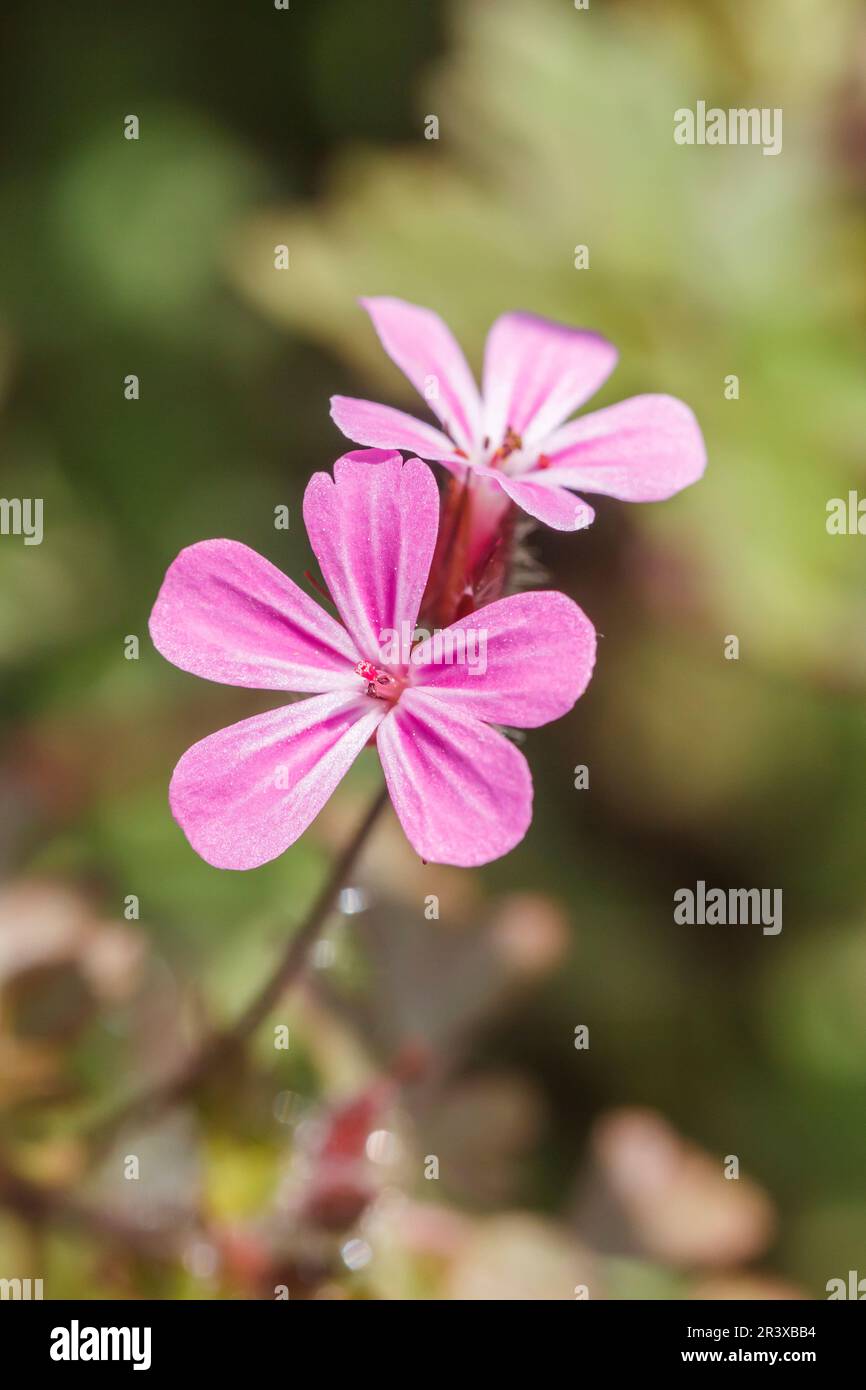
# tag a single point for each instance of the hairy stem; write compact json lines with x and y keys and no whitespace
{"x":214,"y":1050}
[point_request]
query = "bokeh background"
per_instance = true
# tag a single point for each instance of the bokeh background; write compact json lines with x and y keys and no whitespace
{"x":450,"y":1039}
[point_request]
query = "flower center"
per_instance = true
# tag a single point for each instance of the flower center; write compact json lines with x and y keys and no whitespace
{"x":380,"y":684}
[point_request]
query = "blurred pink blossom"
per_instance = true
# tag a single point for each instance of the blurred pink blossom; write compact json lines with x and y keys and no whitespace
{"x":536,"y":374}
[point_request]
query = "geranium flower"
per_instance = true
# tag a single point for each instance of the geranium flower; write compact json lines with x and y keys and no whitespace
{"x":462,"y":791}
{"x":536,"y":374}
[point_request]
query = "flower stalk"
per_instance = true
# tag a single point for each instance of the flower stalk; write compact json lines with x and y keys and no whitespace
{"x":213,"y":1051}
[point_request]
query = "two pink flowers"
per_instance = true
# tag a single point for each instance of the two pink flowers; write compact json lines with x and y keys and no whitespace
{"x":461,"y":789}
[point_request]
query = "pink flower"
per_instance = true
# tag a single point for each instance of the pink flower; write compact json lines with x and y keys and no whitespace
{"x":536,"y":373}
{"x":462,"y":791}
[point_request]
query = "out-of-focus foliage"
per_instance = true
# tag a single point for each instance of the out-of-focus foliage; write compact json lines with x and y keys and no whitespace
{"x":453,"y":1037}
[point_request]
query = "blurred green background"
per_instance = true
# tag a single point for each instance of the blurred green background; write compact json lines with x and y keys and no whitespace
{"x":557,"y":1166}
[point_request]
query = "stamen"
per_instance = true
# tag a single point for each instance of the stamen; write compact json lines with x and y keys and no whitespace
{"x":510,"y":444}
{"x":512,"y":440}
{"x":379,"y":684}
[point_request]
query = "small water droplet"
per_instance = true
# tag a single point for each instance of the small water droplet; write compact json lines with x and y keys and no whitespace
{"x":324,"y":954}
{"x":352,"y":900}
{"x":356,"y":1254}
{"x":383,"y":1146}
{"x":286,"y":1107}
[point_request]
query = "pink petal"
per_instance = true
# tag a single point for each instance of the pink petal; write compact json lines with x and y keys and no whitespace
{"x":552,"y":505}
{"x":427,"y":352}
{"x":226,"y":613}
{"x":643,"y":450}
{"x":373,"y":528}
{"x":523,"y":661}
{"x":463,"y":793}
{"x":384,"y":428}
{"x":243,"y":795}
{"x":537,"y":372}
